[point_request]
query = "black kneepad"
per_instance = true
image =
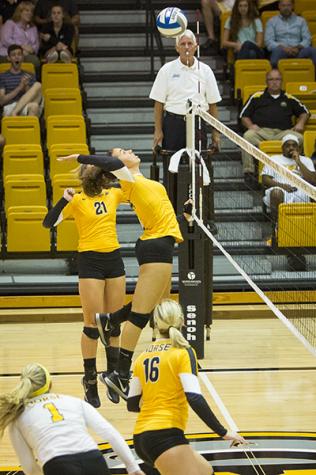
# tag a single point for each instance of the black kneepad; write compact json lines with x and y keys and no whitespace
{"x":115,"y":329}
{"x":140,"y":320}
{"x":91,"y":332}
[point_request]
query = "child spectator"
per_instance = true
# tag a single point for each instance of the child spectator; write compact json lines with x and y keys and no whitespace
{"x":20,"y":93}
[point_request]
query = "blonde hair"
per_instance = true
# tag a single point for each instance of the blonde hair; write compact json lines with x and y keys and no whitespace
{"x":35,"y":380}
{"x":16,"y":17}
{"x":189,"y":34}
{"x":168,"y":318}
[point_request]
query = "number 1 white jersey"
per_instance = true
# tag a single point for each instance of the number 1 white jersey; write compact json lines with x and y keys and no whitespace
{"x":52,"y":425}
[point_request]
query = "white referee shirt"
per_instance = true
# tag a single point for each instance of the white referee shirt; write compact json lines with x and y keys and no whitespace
{"x":52,"y":425}
{"x":175,"y":83}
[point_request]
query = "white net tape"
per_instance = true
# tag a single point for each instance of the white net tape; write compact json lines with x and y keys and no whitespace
{"x":292,"y":178}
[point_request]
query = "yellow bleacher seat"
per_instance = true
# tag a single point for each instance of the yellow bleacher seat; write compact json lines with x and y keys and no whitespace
{"x":248,"y":72}
{"x":311,"y":124}
{"x":25,"y":232}
{"x":296,"y":70}
{"x":28,"y":67}
{"x":61,"y":181}
{"x":304,"y":91}
{"x":21,"y":130}
{"x":65,"y":129}
{"x":310,"y":17}
{"x":21,"y":159}
{"x":270,"y":147}
{"x":60,"y":150}
{"x":265,"y":16}
{"x":302,"y":5}
{"x":60,"y":75}
{"x":67,"y":234}
{"x":249,"y":90}
{"x":24,"y":190}
{"x":296,"y":225}
{"x":61,"y":101}
{"x":309,"y":142}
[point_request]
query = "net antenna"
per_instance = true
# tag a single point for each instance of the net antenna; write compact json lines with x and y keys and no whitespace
{"x":293,"y":178}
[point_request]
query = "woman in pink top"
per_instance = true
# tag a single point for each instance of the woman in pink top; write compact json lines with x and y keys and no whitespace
{"x":20,"y":30}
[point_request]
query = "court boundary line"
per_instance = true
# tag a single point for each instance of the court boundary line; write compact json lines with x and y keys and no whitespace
{"x":220,"y":404}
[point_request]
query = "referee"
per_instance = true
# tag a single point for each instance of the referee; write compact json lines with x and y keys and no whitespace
{"x":178,"y":81}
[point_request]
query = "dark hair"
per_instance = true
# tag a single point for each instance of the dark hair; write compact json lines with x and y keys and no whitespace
{"x":13,"y":48}
{"x":94,"y":182}
{"x":235,"y":19}
{"x":66,"y":17}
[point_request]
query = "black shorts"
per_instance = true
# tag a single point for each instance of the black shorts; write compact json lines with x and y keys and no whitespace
{"x":155,"y":250}
{"x":151,"y":444}
{"x":84,"y":463}
{"x":100,"y":265}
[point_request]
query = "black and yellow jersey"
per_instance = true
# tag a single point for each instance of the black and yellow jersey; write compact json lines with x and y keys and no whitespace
{"x":159,"y":369}
{"x":153,"y":208}
{"x":95,"y":218}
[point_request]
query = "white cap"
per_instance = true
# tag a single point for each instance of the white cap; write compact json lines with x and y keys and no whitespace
{"x":288,"y":137}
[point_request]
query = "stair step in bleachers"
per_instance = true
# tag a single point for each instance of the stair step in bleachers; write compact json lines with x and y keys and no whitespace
{"x":141,"y":115}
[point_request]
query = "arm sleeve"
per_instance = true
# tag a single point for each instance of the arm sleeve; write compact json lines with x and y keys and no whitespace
{"x":298,"y":107}
{"x":159,"y":90}
{"x":24,"y":452}
{"x":258,"y":25}
{"x":103,"y":161}
{"x":269,"y":35}
{"x":202,"y":409}
{"x":105,"y":430}
{"x":305,"y":34}
{"x":35,"y":40}
{"x":7,"y":37}
{"x":53,"y":216}
{"x":248,"y":109}
{"x":188,"y":374}
{"x":134,"y":395}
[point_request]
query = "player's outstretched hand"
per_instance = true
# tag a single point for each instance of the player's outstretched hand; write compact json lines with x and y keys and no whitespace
{"x":235,"y":438}
{"x":74,"y":156}
{"x":138,"y":472}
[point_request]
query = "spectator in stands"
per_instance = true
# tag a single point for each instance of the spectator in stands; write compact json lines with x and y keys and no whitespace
{"x":279,"y":191}
{"x":211,"y":10}
{"x":20,"y":93}
{"x":43,"y":9}
{"x":267,"y":115}
{"x":287,"y":35}
{"x":243,"y":31}
{"x":57,"y":37}
{"x":22,"y":31}
{"x":7,"y":8}
{"x":176,"y":82}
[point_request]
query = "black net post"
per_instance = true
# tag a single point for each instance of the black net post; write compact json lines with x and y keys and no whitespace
{"x":195,"y":269}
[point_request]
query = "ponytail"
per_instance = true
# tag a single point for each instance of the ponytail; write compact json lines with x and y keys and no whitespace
{"x":35,"y":380}
{"x":168,"y":318}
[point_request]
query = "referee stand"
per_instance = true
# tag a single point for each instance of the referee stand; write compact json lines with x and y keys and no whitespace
{"x":195,"y":254}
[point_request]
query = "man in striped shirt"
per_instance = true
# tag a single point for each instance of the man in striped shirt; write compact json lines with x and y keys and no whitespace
{"x":20,"y":93}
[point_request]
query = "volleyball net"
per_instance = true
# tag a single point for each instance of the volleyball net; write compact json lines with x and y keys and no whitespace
{"x":281,"y":272}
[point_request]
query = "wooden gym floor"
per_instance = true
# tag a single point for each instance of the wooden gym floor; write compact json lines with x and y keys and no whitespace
{"x":255,"y":375}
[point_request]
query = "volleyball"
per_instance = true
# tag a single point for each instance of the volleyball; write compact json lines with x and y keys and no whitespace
{"x":171,"y":22}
